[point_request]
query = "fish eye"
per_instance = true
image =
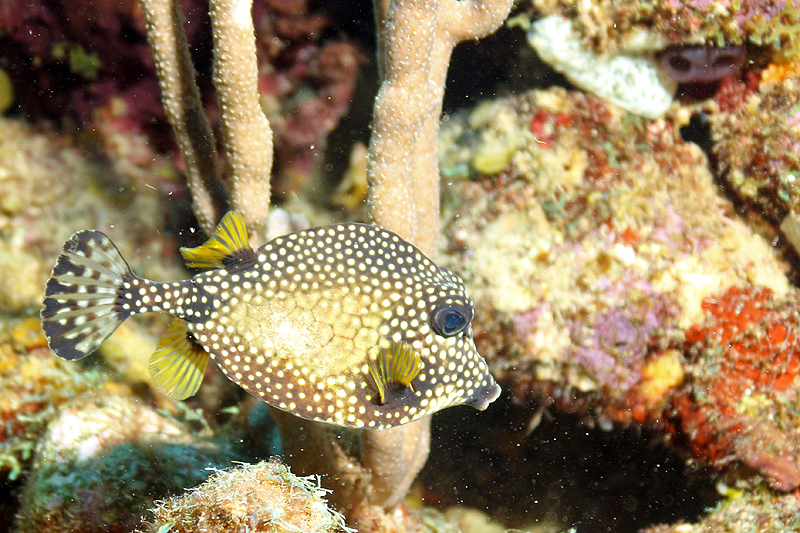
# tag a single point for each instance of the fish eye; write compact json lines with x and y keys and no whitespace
{"x":449,"y":321}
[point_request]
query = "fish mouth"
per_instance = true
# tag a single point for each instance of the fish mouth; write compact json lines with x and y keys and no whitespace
{"x":484,"y":396}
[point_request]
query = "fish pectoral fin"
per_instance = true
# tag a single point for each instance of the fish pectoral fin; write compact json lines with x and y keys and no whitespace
{"x":394,"y":370}
{"x":228,"y":246}
{"x":179,"y":363}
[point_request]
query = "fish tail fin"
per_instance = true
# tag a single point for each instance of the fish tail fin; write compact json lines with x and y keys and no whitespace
{"x":82,"y":301}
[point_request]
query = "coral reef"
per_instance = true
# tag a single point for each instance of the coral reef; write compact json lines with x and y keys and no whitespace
{"x":265,"y":497}
{"x":397,"y":456}
{"x":673,"y":315}
{"x":586,"y":257}
{"x":631,"y":79}
{"x":605,"y":24}
{"x":632,"y":53}
{"x":51,"y":187}
{"x":756,"y":140}
{"x":740,"y":399}
{"x":33,"y":388}
{"x":769,"y":512}
{"x":104,"y":462}
{"x":613,"y":280}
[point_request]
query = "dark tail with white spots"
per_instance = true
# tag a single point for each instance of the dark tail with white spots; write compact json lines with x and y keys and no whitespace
{"x":83,"y":304}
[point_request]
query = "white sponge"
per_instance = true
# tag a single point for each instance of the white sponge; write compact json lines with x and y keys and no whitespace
{"x":633,"y":82}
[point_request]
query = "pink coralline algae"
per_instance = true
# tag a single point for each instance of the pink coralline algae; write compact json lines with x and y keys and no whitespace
{"x":613,"y":346}
{"x":746,"y":8}
{"x":771,"y":23}
{"x":750,"y":10}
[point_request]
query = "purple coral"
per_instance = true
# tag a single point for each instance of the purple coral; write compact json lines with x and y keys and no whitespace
{"x":612,"y":345}
{"x":701,"y":64}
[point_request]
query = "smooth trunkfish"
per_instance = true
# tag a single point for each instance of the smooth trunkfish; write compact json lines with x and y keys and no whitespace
{"x":347,"y":324}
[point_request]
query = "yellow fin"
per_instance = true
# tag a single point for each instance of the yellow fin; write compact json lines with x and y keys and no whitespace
{"x":394,"y":369}
{"x":228,"y":245}
{"x":179,"y":362}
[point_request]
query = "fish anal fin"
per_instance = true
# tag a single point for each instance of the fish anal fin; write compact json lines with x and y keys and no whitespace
{"x":179,"y":363}
{"x":228,"y":247}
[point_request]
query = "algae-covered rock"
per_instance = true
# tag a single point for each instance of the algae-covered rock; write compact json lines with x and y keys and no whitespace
{"x":764,"y":511}
{"x":102,"y":464}
{"x":591,"y":254}
{"x":608,"y":24}
{"x":51,"y":187}
{"x":755,"y":129}
{"x":34,"y":386}
{"x":261,"y":498}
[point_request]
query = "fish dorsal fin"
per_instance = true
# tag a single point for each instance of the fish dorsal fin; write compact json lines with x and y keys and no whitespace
{"x":393,"y":371}
{"x":179,"y":362}
{"x":226,"y":248}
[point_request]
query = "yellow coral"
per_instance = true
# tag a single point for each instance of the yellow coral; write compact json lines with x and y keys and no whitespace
{"x":777,"y":72}
{"x":661,"y":374}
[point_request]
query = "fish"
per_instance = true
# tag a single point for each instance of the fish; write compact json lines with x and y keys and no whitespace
{"x":346,"y":324}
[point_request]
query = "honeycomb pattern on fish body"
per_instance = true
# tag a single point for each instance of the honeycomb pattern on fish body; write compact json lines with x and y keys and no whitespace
{"x":299,"y":327}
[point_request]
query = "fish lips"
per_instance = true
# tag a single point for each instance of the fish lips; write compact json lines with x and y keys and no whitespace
{"x":484,"y":396}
